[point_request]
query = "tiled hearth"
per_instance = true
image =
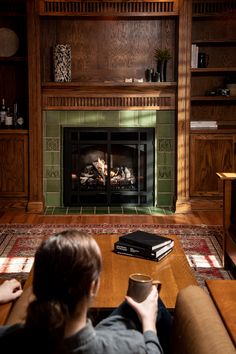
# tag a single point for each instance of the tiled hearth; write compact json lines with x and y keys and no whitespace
{"x":162,"y":121}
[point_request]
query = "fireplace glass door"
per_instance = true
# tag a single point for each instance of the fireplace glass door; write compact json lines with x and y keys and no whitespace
{"x":108,"y":166}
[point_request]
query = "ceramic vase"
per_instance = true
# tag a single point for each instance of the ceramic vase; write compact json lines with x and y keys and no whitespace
{"x":62,"y":62}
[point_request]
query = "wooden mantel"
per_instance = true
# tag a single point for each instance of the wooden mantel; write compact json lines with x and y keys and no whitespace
{"x":109,"y":96}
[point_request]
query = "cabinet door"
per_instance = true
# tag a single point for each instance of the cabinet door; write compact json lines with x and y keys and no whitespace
{"x":14,"y":165}
{"x":209,"y":154}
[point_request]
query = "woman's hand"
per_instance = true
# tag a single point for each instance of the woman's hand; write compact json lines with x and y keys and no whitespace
{"x":10,"y":290}
{"x":146,"y":310}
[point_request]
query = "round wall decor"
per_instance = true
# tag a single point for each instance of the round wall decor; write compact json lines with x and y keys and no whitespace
{"x":9,"y":42}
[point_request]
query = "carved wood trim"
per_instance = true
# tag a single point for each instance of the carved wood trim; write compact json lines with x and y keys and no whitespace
{"x":108,"y":8}
{"x":60,"y":101}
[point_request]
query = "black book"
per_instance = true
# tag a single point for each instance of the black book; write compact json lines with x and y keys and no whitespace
{"x":157,"y":259}
{"x":137,"y":250}
{"x":145,"y":239}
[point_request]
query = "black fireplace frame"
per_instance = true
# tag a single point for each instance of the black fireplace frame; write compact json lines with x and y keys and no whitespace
{"x":145,"y":197}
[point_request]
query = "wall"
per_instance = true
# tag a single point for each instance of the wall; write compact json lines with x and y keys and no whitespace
{"x":165,"y":142}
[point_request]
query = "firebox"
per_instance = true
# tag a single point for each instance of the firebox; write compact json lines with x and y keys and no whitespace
{"x":108,"y":166}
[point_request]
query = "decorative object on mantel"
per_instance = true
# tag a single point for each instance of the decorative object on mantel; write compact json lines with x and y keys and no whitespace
{"x":62,"y":62}
{"x":162,"y":56}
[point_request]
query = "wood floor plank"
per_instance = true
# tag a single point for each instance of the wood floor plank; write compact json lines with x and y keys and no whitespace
{"x":199,"y":217}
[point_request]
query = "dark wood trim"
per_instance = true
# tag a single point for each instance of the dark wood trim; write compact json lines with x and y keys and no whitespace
{"x":35,"y":203}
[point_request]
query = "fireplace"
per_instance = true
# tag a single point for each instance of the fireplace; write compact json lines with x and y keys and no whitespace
{"x":108,"y":166}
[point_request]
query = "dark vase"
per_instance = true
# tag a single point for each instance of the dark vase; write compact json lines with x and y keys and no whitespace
{"x":161,"y":68}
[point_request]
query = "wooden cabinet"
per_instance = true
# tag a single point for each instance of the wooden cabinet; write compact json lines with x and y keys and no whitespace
{"x":210,"y":153}
{"x":13,"y":55}
{"x":14,"y":163}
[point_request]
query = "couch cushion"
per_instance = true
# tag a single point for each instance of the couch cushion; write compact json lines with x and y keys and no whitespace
{"x":198,"y":328}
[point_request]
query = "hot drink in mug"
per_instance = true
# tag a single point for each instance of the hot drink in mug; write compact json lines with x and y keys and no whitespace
{"x":140,"y":286}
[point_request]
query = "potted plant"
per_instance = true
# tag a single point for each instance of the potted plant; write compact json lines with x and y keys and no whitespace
{"x":162,"y":56}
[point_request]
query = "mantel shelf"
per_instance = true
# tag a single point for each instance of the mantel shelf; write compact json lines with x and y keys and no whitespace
{"x":109,"y":95}
{"x":111,"y":84}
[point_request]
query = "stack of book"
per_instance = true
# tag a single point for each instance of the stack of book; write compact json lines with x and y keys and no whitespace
{"x":144,"y":245}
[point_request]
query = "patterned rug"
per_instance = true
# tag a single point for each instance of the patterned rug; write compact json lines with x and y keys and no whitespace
{"x":202,"y":245}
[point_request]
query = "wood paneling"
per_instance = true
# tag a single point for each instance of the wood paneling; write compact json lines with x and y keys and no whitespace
{"x":209,"y":154}
{"x":107,"y":50}
{"x":14,"y":164}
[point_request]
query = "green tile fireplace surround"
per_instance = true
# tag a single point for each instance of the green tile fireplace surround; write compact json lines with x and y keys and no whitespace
{"x":165,"y":155}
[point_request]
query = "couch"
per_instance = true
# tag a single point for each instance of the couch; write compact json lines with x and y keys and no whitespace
{"x":197,"y":328}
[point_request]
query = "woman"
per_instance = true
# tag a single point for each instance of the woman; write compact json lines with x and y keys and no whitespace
{"x":66,"y":279}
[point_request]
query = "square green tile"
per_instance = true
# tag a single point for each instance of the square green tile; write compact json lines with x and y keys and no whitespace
{"x":165,"y":117}
{"x":166,"y":158}
{"x":53,"y":185}
{"x":164,"y":199}
{"x":165,"y":186}
{"x":166,"y":131}
{"x":53,"y":199}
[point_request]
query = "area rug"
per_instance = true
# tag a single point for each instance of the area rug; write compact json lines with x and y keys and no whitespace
{"x":202,"y":245}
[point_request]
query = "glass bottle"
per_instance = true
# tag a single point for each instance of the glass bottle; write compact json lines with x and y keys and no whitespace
{"x":3,"y":113}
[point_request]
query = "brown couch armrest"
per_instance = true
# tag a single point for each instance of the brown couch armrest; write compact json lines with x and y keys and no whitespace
{"x":198,"y":328}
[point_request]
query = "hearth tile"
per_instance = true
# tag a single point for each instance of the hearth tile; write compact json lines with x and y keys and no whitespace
{"x":74,"y":210}
{"x":164,"y":199}
{"x":87,"y":210}
{"x":166,"y":131}
{"x":143,"y":210}
{"x":52,"y":158}
{"x":155,"y":210}
{"x":129,"y":210}
{"x":165,"y":185}
{"x":166,"y":117}
{"x":48,"y":211}
{"x":53,"y":185}
{"x":166,"y":158}
{"x":60,"y":211}
{"x":52,"y":199}
{"x":115,"y":210}
{"x":101,"y":210}
{"x":52,"y":131}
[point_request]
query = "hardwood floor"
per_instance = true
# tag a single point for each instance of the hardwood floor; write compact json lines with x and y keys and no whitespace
{"x":210,"y":217}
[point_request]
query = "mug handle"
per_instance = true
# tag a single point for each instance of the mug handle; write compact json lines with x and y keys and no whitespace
{"x":158,"y":284}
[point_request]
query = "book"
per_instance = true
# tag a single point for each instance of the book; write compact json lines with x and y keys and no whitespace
{"x":145,"y":239}
{"x":157,"y":259}
{"x":137,"y":250}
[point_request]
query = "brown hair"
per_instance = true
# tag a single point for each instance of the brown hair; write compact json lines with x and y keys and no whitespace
{"x":65,"y":266}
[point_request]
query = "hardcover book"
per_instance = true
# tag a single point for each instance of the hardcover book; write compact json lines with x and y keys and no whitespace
{"x":145,"y":239}
{"x":137,"y":250}
{"x":157,"y":259}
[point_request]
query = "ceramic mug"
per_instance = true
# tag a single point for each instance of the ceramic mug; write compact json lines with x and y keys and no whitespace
{"x":140,"y":286}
